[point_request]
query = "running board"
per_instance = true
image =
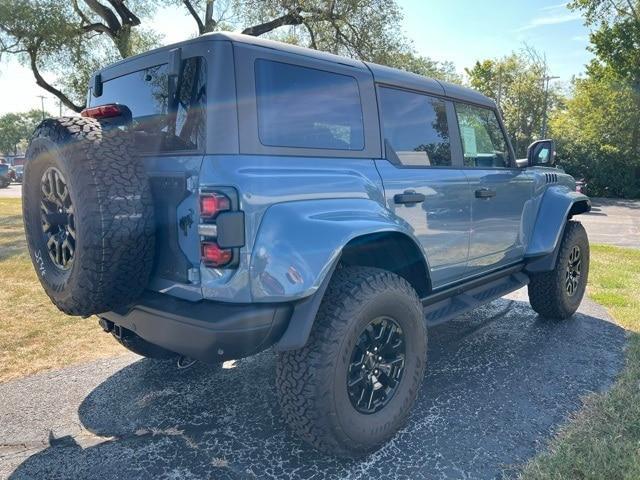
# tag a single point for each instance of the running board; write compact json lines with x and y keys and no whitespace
{"x":464,"y":299}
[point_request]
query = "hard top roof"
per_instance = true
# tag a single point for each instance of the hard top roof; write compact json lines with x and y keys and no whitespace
{"x":381,"y":73}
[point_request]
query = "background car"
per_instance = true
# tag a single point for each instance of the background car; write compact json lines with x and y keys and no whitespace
{"x":5,"y":177}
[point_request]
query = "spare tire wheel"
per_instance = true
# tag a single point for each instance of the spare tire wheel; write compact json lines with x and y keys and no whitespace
{"x":88,"y":215}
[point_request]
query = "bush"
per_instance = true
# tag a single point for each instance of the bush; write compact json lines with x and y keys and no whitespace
{"x":607,"y":173}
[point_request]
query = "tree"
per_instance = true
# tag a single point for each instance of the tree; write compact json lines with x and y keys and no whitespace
{"x":15,"y":128}
{"x":365,"y":29}
{"x":616,"y":43}
{"x":517,"y":84}
{"x":74,"y":38}
{"x":594,"y":131}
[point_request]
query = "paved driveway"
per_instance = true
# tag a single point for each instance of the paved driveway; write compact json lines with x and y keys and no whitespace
{"x":499,"y":382}
{"x":613,"y":222}
{"x":12,"y":191}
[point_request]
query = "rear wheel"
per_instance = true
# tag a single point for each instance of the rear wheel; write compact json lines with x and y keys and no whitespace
{"x":557,"y":294}
{"x":351,"y":388}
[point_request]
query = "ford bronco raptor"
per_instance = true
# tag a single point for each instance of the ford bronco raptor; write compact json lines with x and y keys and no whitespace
{"x":229,"y":194}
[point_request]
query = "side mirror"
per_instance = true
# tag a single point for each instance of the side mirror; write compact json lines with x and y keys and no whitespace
{"x":542,"y":152}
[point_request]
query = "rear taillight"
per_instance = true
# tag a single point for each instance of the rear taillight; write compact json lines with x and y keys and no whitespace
{"x":214,"y":256}
{"x":213,"y":203}
{"x":221,"y":228}
{"x":104,"y":111}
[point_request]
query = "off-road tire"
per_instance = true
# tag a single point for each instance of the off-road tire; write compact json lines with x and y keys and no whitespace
{"x":4,"y":183}
{"x":113,"y":215}
{"x":547,"y":291}
{"x":311,"y":381}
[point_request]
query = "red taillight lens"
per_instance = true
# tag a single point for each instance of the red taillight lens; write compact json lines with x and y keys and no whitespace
{"x":214,"y":256}
{"x":213,"y":203}
{"x":103,"y":111}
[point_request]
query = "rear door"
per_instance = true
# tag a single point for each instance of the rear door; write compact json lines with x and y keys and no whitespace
{"x":499,"y":191}
{"x":422,"y":186}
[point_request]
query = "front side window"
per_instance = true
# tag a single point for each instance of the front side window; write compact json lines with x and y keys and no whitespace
{"x":167,"y":118}
{"x":483,"y":142}
{"x":415,"y":127}
{"x":307,"y":108}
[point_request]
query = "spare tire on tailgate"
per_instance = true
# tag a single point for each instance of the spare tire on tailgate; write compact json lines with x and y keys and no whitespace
{"x":88,"y":215}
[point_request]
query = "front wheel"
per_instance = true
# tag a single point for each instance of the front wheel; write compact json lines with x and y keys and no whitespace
{"x":557,"y":294}
{"x":351,"y":388}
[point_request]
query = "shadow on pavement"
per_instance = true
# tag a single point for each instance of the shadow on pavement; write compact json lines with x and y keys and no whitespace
{"x":499,"y":382}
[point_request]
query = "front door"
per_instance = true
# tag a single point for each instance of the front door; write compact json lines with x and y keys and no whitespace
{"x":499,"y":191}
{"x":421,"y":185}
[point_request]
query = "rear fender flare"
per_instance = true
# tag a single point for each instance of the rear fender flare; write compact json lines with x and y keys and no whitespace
{"x":299,"y":243}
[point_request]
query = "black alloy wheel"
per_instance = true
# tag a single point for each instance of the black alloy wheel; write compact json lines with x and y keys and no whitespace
{"x":376,"y":366}
{"x":57,"y":214}
{"x":573,"y":270}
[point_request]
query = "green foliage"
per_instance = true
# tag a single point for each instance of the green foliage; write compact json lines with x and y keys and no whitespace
{"x":594,"y":134}
{"x":517,"y":84}
{"x":598,"y":130}
{"x":15,"y":128}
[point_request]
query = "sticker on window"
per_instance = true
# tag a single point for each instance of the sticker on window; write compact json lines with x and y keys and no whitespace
{"x":469,"y":141}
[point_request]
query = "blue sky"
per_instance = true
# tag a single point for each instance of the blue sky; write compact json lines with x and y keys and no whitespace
{"x":464,"y":31}
{"x":461,"y":31}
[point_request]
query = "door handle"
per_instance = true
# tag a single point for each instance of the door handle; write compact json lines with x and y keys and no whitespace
{"x":485,"y":193}
{"x":408,"y":198}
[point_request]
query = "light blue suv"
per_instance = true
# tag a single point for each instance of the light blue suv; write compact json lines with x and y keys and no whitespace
{"x":229,"y":194}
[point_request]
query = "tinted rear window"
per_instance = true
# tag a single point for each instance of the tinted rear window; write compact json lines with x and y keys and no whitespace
{"x":166,"y":121}
{"x":307,"y":108}
{"x":415,"y":126}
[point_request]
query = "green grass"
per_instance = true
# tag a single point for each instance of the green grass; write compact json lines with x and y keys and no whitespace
{"x":603,"y":440}
{"x":34,"y":334}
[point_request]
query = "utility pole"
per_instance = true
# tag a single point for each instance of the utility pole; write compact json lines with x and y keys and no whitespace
{"x":42,"y":97}
{"x":545,"y":83}
{"x":60,"y":107}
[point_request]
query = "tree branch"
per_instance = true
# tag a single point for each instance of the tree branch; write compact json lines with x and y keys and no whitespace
{"x":106,"y":14}
{"x":78,"y":10}
{"x":312,"y":35}
{"x":126,"y":15}
{"x":33,"y":52}
{"x":195,"y":16}
{"x":291,"y":18}
{"x":98,"y":27}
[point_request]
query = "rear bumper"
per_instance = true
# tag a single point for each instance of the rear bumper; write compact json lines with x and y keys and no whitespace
{"x":207,"y":331}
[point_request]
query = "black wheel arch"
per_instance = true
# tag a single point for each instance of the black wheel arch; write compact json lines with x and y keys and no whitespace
{"x":391,"y":251}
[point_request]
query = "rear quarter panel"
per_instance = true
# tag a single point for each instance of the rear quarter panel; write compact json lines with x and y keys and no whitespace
{"x":292,"y":230}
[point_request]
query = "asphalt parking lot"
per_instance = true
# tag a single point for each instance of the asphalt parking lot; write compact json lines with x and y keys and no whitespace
{"x":613,"y":222}
{"x":500,"y":381}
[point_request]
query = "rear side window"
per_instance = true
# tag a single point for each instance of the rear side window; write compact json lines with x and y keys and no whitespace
{"x":415,"y":127}
{"x":307,"y":108}
{"x":483,"y":142}
{"x":167,"y":118}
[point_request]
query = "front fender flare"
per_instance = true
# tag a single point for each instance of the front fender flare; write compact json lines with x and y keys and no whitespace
{"x":299,"y":243}
{"x":555,"y":207}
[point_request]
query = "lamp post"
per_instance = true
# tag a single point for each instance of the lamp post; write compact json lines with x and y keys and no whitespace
{"x":42,"y":97}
